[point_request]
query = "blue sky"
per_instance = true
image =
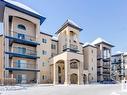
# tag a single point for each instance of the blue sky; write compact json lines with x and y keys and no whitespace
{"x":98,"y":18}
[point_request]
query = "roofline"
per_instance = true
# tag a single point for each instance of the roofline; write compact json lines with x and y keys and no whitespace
{"x":81,"y":43}
{"x":106,"y":44}
{"x":46,"y":34}
{"x":89,"y":45}
{"x":68,"y":24}
{"x":117,"y":54}
{"x":42,"y":19}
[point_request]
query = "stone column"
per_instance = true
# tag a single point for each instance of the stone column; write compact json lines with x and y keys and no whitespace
{"x":67,"y":76}
{"x":55,"y":81}
{"x":80,"y":73}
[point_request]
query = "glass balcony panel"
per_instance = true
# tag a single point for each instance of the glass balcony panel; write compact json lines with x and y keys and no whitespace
{"x":22,"y":50}
{"x":19,"y":65}
{"x":23,"y":36}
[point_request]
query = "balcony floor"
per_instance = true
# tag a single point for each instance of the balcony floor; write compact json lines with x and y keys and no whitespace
{"x":21,"y":69}
{"x":22,"y":41}
{"x":11,"y":54}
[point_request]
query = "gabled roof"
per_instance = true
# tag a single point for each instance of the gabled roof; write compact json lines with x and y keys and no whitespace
{"x":100,"y":40}
{"x":23,"y":8}
{"x":71,"y":23}
{"x":88,"y":44}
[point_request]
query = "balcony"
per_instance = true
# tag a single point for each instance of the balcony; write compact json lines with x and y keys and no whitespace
{"x":22,"y":52}
{"x":105,"y":58}
{"x":106,"y":66}
{"x":72,"y":47}
{"x":99,"y":73}
{"x":117,"y":62}
{"x":16,"y":66}
{"x":22,"y":39}
{"x":106,"y":72}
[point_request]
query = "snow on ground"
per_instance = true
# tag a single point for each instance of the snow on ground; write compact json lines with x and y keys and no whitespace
{"x":96,"y":89}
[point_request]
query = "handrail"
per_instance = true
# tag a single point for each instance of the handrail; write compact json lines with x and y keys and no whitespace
{"x":23,"y":65}
{"x":23,"y":36}
{"x":25,"y":51}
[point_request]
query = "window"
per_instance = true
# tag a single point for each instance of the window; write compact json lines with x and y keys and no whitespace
{"x":43,"y":77}
{"x":22,"y":27}
{"x":92,"y":51}
{"x":44,"y":40}
{"x":20,"y":36}
{"x":44,"y":52}
{"x":73,"y":65}
{"x":21,"y":50}
{"x":53,"y":46}
{"x":92,"y":68}
{"x":44,"y":63}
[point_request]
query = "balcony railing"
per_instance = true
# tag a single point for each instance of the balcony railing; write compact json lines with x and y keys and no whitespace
{"x":24,"y":51}
{"x":23,"y":36}
{"x":23,"y":65}
{"x":71,"y":47}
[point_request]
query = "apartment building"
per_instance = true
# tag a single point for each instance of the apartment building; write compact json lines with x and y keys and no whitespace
{"x":119,"y":63}
{"x":19,"y":42}
{"x":103,"y":59}
{"x":31,"y":56}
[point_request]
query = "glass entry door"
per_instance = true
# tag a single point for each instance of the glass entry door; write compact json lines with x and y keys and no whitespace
{"x":21,"y":79}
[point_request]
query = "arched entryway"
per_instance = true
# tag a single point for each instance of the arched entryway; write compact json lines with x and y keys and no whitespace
{"x":84,"y":79}
{"x":60,"y":71}
{"x":74,"y":78}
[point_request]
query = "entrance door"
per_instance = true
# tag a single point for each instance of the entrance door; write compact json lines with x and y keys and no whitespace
{"x":21,"y":79}
{"x":74,"y":79}
{"x":24,"y":79}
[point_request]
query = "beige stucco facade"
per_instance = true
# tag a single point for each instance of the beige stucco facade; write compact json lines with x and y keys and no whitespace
{"x":90,"y":62}
{"x":32,"y":56}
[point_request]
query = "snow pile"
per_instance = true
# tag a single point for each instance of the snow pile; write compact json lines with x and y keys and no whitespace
{"x":99,"y":40}
{"x":11,"y":88}
{"x":87,"y":43}
{"x":98,"y":89}
{"x":55,"y":38}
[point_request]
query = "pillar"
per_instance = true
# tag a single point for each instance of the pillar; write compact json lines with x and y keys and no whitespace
{"x":80,"y":74}
{"x":55,"y":81}
{"x":67,"y":76}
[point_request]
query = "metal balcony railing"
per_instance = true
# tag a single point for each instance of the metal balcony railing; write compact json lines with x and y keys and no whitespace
{"x":24,"y":51}
{"x":72,"y":47}
{"x":20,"y":65}
{"x":23,"y":36}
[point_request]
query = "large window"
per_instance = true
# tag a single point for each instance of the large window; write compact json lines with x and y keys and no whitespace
{"x":44,"y":52}
{"x":22,"y":27}
{"x":44,"y":40}
{"x":74,"y":64}
{"x":53,"y":46}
